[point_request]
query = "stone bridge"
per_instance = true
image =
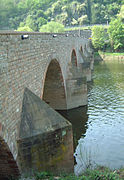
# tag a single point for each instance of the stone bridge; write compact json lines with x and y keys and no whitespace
{"x":34,"y":67}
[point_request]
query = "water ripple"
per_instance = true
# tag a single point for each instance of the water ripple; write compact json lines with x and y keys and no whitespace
{"x":103,"y":142}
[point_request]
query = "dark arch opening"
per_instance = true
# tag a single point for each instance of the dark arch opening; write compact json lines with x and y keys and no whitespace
{"x":74,"y":58}
{"x":54,"y":91}
{"x":8,"y":166}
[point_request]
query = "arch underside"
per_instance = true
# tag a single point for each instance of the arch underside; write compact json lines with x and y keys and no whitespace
{"x":8,"y":166}
{"x":74,"y":58}
{"x":54,"y":91}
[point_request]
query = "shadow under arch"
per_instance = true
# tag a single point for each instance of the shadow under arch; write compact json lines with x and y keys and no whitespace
{"x":74,"y":58}
{"x":8,"y":166}
{"x":81,"y":49}
{"x":54,"y":90}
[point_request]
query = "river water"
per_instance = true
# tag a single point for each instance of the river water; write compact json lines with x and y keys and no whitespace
{"x":99,"y":127}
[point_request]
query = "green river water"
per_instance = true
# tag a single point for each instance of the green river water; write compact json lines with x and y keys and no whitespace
{"x":99,"y":127}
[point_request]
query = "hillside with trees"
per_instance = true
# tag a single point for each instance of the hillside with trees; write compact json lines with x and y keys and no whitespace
{"x":33,"y":14}
{"x":110,"y":38}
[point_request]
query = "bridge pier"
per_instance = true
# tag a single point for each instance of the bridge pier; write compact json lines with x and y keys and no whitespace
{"x":76,"y":92}
{"x":45,"y":140}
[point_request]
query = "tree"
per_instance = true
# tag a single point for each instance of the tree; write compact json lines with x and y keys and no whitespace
{"x":52,"y":27}
{"x":40,"y":22}
{"x":30,"y":23}
{"x":25,"y":28}
{"x":62,"y":18}
{"x":88,"y":9}
{"x":121,"y":14}
{"x":98,"y":37}
{"x":35,"y":13}
{"x":83,"y":20}
{"x":116,"y":34}
{"x":7,"y":10}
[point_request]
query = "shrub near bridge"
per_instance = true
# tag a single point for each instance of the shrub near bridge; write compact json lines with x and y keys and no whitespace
{"x":52,"y":27}
{"x":116,"y":34}
{"x":98,"y":37}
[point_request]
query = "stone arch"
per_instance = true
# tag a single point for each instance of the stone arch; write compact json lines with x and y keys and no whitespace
{"x":54,"y":90}
{"x":8,"y":166}
{"x":74,"y":58}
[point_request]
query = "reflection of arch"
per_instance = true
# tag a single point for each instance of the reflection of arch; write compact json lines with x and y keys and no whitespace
{"x":74,"y":58}
{"x":54,"y":91}
{"x":8,"y":166}
{"x":81,"y":49}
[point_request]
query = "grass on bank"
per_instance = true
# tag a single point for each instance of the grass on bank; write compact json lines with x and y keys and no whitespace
{"x":100,"y":173}
{"x":96,"y":54}
{"x":114,"y":54}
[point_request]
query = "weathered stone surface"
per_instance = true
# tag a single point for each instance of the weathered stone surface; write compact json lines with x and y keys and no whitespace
{"x":25,"y":63}
{"x":45,"y":141}
{"x":54,"y":90}
{"x":38,"y":117}
{"x":8,"y":166}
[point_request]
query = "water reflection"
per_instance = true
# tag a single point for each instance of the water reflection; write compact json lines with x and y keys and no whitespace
{"x":78,"y":117}
{"x":103,"y":142}
{"x":99,"y":128}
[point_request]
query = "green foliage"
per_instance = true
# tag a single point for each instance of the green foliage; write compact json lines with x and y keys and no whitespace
{"x":30,"y":22}
{"x":100,"y":173}
{"x":103,"y":11}
{"x":43,"y":175}
{"x":25,"y":28}
{"x":52,"y":27}
{"x":121,"y":14}
{"x":7,"y":10}
{"x":98,"y":37}
{"x":66,"y":12}
{"x":35,"y":13}
{"x":116,"y":34}
{"x":109,"y":53}
{"x":62,"y":18}
{"x":83,"y":20}
{"x":35,"y":19}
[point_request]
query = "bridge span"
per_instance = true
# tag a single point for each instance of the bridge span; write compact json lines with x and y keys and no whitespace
{"x":52,"y":67}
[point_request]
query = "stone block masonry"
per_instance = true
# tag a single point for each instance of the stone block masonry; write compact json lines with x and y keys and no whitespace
{"x":27,"y":63}
{"x":45,"y":138}
{"x":8,"y":166}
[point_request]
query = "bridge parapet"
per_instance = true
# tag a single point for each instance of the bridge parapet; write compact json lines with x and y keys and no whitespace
{"x":81,"y":33}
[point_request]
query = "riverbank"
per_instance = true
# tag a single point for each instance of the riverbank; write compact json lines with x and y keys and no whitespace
{"x":100,"y":173}
{"x":99,"y":56}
